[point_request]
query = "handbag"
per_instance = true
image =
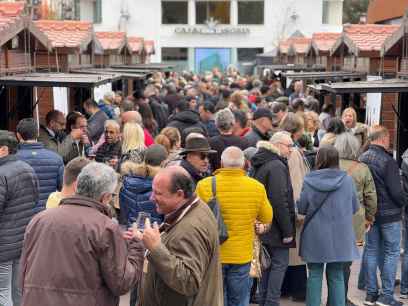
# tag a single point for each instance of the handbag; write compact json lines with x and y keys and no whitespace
{"x":215,"y":207}
{"x":261,"y":259}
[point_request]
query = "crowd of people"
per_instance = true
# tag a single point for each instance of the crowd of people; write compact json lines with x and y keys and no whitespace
{"x":214,"y":189}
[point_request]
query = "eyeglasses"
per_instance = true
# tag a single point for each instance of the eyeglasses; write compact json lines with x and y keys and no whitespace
{"x":203,"y":156}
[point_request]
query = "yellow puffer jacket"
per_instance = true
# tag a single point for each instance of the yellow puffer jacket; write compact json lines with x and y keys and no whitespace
{"x":242,"y":200}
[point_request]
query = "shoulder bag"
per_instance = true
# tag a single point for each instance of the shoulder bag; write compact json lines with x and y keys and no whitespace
{"x":215,"y":207}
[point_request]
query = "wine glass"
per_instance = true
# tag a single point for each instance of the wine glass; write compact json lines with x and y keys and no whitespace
{"x":139,"y":225}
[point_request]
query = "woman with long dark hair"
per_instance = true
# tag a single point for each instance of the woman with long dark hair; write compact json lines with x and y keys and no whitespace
{"x":329,"y":201}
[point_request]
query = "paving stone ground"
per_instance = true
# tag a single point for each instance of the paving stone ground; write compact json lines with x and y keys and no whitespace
{"x":355,"y":295}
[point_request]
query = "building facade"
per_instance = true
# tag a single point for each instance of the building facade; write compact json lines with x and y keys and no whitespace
{"x":198,"y":34}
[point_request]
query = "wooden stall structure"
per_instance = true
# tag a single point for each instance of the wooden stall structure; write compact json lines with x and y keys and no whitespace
{"x":14,"y":55}
{"x":318,"y":51}
{"x":114,"y":51}
{"x":396,"y":46}
{"x":299,"y":46}
{"x":135,"y":47}
{"x":129,"y":80}
{"x":67,"y":44}
{"x":394,"y":113}
{"x":359,"y":49}
{"x":148,"y":51}
{"x":152,"y":67}
{"x":28,"y":95}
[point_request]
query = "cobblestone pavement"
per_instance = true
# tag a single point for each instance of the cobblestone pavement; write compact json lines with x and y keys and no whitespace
{"x":355,"y":295}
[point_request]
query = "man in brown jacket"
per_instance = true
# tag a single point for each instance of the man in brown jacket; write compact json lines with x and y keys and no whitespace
{"x":182,"y":265}
{"x":75,"y":255}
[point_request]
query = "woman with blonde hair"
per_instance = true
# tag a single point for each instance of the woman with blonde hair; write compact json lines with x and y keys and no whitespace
{"x":133,"y":143}
{"x":170,"y":138}
{"x":358,"y":129}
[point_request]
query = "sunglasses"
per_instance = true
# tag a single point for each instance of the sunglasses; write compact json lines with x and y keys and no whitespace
{"x":203,"y":156}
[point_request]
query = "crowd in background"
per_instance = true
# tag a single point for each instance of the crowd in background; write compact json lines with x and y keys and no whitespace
{"x":300,"y":187}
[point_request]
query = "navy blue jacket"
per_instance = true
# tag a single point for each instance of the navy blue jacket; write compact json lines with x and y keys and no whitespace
{"x":47,"y":165}
{"x":18,"y":199}
{"x":134,"y":197}
{"x":387,"y":179}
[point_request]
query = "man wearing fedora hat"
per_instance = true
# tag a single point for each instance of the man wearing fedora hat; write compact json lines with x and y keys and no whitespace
{"x":195,"y":157}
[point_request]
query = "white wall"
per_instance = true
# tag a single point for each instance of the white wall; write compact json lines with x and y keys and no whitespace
{"x":145,"y":21}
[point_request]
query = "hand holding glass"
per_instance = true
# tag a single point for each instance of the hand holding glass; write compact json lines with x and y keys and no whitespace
{"x":141,"y":220}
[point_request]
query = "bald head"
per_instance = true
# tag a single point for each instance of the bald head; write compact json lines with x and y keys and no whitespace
{"x":233,"y":157}
{"x":131,"y":116}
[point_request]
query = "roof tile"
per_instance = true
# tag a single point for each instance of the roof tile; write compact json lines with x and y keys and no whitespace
{"x":149,"y":46}
{"x":369,"y":37}
{"x":299,"y":44}
{"x":135,"y":44}
{"x":111,"y":40}
{"x":65,"y":33}
{"x":324,"y":41}
{"x":12,"y":9}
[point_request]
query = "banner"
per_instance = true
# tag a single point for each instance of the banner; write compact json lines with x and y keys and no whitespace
{"x":373,"y":105}
{"x":100,"y":91}
{"x":60,"y":99}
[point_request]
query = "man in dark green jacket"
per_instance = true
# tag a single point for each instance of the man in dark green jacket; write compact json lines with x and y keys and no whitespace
{"x":182,"y":264}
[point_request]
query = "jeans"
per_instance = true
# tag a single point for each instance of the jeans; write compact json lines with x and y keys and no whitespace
{"x":10,"y":293}
{"x":335,"y":284}
{"x":362,"y":276}
{"x":236,"y":284}
{"x":272,"y":278}
{"x":383,"y":239}
{"x":404,"y":262}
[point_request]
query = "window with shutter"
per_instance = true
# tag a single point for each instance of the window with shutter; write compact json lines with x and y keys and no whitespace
{"x":97,"y":11}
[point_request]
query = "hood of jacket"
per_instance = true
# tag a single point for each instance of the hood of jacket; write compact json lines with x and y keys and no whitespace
{"x":265,"y":153}
{"x":325,"y":180}
{"x":188,"y":117}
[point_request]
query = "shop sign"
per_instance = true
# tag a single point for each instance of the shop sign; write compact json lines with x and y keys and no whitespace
{"x":212,"y":28}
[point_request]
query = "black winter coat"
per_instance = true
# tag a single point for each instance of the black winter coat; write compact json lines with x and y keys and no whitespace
{"x":186,"y":120}
{"x":19,"y":195}
{"x":220,"y":143}
{"x":272,"y":170}
{"x":160,"y":111}
{"x":385,"y":172}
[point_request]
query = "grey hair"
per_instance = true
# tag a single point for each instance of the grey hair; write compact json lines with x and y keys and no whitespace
{"x":233,"y":157}
{"x":348,"y":146}
{"x":224,"y":120}
{"x":109,"y":95}
{"x":95,"y":180}
{"x":112,"y":123}
{"x":279,"y":136}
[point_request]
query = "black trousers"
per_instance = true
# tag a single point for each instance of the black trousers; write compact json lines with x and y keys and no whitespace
{"x":294,"y":283}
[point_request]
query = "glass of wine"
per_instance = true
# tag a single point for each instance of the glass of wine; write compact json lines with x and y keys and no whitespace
{"x":139,"y":225}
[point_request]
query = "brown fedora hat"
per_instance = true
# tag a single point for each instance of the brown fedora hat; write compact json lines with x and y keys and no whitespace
{"x":197,"y":144}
